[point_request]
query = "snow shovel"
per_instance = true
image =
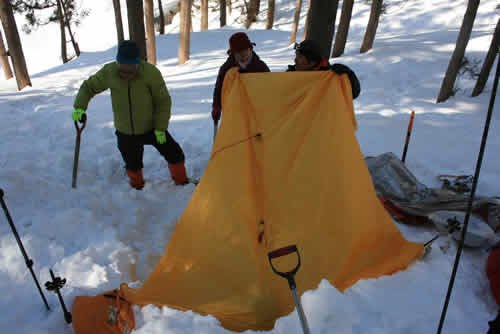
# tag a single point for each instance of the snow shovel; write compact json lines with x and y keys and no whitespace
{"x":289,"y":275}
{"x":77,"y":147}
{"x":215,"y":128}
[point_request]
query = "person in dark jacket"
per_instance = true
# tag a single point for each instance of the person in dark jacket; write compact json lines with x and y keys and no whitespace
{"x":141,"y":108}
{"x":308,"y":57}
{"x":241,"y":55}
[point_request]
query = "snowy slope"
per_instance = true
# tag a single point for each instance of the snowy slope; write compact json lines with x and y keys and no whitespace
{"x":92,"y":234}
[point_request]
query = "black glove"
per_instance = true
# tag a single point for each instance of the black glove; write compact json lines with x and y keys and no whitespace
{"x":342,"y":69}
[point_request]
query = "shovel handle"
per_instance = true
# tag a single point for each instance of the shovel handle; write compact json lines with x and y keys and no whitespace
{"x":282,"y":252}
{"x":83,"y":121}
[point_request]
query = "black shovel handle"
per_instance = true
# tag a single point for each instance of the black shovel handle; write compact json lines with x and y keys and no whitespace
{"x":282,"y":252}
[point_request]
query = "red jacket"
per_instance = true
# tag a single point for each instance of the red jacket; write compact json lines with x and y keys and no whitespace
{"x":256,"y":65}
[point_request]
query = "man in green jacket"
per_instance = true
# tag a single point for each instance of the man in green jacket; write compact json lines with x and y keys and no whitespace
{"x":141,"y":108}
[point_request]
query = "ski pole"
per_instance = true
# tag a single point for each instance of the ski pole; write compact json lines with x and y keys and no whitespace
{"x":471,"y":197}
{"x":77,"y":147}
{"x":28,"y":261}
{"x":215,"y":128}
{"x":56,"y":285}
{"x":289,"y":275}
{"x":408,"y":134}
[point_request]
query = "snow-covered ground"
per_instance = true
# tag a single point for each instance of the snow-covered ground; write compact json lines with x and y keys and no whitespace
{"x":92,"y":234}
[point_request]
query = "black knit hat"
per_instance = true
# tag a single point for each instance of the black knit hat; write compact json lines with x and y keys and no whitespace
{"x":310,"y":49}
{"x":128,"y":53}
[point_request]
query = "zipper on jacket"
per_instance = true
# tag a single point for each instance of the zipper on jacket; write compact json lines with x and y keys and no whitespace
{"x":130,"y":109}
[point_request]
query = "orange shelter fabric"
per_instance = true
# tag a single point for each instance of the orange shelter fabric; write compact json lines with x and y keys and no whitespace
{"x":286,"y":168}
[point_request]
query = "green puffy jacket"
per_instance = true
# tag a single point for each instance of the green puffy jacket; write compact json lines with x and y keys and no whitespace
{"x":139,"y":105}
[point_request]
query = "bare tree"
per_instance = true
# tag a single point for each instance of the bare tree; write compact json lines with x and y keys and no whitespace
{"x":204,"y":15}
{"x":293,"y":36}
{"x":135,"y":14}
{"x":345,"y":21}
{"x":488,"y":62}
{"x":4,"y":58}
{"x":184,"y":34}
{"x":270,"y":14}
{"x":222,"y":15}
{"x":458,"y":54}
{"x":322,"y":24}
{"x":371,"y":29}
{"x":64,"y":51}
{"x":14,"y":43}
{"x":118,"y":21}
{"x":150,"y":31}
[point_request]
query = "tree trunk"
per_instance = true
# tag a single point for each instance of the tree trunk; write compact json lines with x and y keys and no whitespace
{"x":135,"y":14}
{"x":64,"y":51}
{"x":251,"y":13}
{"x":371,"y":29}
{"x":345,"y":21}
{"x":458,"y":55}
{"x":68,"y":24}
{"x":308,"y":19}
{"x":4,"y":58}
{"x":150,"y":32}
{"x":322,"y":24}
{"x":204,"y":15}
{"x":184,"y":34}
{"x":14,"y":43}
{"x":488,"y":62}
{"x":162,"y":18}
{"x":270,"y":14}
{"x":118,"y":21}
{"x":222,"y":15}
{"x":257,"y":8}
{"x":293,"y":36}
{"x":229,"y":7}
{"x":171,"y":13}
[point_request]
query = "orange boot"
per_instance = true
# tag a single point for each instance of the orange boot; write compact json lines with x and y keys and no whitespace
{"x":178,"y":172}
{"x":136,"y":179}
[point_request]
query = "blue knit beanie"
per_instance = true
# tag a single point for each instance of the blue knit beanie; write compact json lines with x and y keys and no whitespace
{"x":128,"y":53}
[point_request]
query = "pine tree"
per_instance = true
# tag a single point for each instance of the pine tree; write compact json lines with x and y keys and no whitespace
{"x":322,"y":23}
{"x":371,"y":28}
{"x":185,"y":34}
{"x":150,"y":31}
{"x":345,"y":21}
{"x":118,"y":21}
{"x":458,"y":54}
{"x":14,"y":43}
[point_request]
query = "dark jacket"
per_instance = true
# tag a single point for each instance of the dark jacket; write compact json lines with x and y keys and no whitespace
{"x":256,"y":65}
{"x":339,"y":69}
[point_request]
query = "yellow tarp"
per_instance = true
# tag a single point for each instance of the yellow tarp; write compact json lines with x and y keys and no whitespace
{"x":286,"y":168}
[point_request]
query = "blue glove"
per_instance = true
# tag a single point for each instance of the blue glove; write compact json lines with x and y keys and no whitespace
{"x":161,"y":137}
{"x":77,"y":114}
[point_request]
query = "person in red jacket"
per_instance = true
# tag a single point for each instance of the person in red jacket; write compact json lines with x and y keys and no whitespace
{"x":241,"y":55}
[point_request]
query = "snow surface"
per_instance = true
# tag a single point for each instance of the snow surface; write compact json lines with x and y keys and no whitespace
{"x":92,"y":234}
